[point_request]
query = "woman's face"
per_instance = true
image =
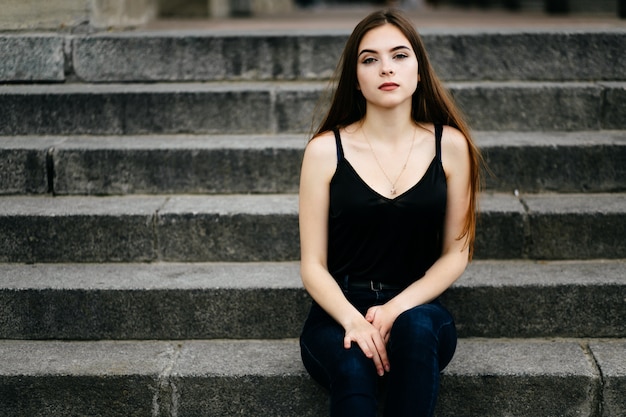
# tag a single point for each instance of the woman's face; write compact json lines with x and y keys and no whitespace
{"x":386,"y":67}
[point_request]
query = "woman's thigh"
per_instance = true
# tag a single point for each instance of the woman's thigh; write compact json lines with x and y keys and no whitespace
{"x":324,"y":355}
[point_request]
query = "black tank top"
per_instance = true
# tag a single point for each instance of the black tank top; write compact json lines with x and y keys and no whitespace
{"x":371,"y":237}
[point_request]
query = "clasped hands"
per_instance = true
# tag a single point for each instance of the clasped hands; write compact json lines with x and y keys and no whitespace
{"x":371,"y":333}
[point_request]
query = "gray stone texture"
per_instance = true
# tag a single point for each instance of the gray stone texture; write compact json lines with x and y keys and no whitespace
{"x":554,"y":162}
{"x":253,"y":108}
{"x":264,"y":300}
{"x":501,"y":233}
{"x":32,"y":58}
{"x":562,"y":299}
{"x":529,"y":378}
{"x":610,"y":357}
{"x":229,"y":228}
{"x":487,"y":378}
{"x":559,"y":231}
{"x":181,"y":164}
{"x":530,"y":162}
{"x":185,"y":56}
{"x":24,"y":165}
{"x":206,"y":56}
{"x":614,"y":106}
{"x":77,"y":229}
{"x":529,"y":55}
{"x":265,"y":227}
{"x":531,"y":106}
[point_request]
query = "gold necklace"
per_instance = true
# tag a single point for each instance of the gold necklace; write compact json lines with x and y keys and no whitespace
{"x":408,"y":155}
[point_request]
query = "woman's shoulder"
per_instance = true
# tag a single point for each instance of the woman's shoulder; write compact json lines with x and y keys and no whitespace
{"x":453,"y":140}
{"x":321,"y":145}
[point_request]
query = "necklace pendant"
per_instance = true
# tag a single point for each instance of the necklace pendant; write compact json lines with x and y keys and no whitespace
{"x":393,"y":191}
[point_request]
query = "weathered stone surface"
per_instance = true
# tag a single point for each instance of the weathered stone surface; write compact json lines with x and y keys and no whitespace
{"x":178,"y":164}
{"x":507,"y":55}
{"x":530,"y":162}
{"x":562,"y":162}
{"x":267,"y":300}
{"x":28,"y":58}
{"x":614,"y":109}
{"x":117,"y":109}
{"x":523,"y":378}
{"x":265,"y":227}
{"x":206,"y":56}
{"x":99,"y":378}
{"x":75,"y":229}
{"x":246,"y":108}
{"x":561,"y":299}
{"x":229,"y":228}
{"x":24,"y":165}
{"x":500,"y":233}
{"x":560,"y":230}
{"x":530,"y":106}
{"x":189,"y":56}
{"x":610,"y":357}
{"x":487,"y":378}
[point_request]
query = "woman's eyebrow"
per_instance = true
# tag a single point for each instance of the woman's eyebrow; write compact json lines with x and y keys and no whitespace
{"x":391,"y":50}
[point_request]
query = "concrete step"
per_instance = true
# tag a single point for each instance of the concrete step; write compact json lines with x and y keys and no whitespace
{"x":287,"y":107}
{"x":187,"y":228}
{"x":265,"y":378}
{"x":515,"y":299}
{"x":557,"y":54}
{"x":113,"y":165}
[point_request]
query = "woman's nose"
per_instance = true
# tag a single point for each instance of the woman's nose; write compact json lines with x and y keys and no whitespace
{"x":386,"y":68}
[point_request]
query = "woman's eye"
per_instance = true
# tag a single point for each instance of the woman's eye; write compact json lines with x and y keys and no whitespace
{"x":368,"y":60}
{"x":401,"y":56}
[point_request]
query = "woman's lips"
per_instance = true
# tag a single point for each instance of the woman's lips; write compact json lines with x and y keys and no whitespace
{"x":388,"y":86}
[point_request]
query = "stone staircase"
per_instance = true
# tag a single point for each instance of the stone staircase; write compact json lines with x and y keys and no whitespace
{"x":149,"y":237}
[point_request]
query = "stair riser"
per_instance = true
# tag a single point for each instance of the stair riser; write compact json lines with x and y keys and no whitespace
{"x":195,"y":108}
{"x":527,"y":379}
{"x":152,"y":57}
{"x":581,"y":311}
{"x":74,"y":171}
{"x":538,"y":56}
{"x":283,"y":396}
{"x":504,"y":232}
{"x":222,"y":171}
{"x":563,"y":169}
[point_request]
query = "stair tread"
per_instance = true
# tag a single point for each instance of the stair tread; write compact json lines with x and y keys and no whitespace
{"x":508,"y":357}
{"x":484,"y":139}
{"x":232,"y":300}
{"x":261,"y":85}
{"x":279,"y":204}
{"x":285,"y":275}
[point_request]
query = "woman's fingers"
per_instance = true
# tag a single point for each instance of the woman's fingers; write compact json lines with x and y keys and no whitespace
{"x":373,"y":347}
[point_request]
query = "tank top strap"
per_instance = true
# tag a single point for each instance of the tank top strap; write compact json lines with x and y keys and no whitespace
{"x":438,"y":134}
{"x":338,"y":142}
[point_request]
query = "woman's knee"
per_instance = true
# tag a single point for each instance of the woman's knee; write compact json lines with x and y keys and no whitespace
{"x":355,"y":366}
{"x":426,"y":331}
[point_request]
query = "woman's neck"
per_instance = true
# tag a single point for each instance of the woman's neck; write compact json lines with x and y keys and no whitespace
{"x":388,"y":126}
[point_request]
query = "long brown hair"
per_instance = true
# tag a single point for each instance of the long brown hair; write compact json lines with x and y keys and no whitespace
{"x":431,"y":101}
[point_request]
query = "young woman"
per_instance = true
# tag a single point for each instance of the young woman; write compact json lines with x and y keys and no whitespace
{"x":387,"y":217}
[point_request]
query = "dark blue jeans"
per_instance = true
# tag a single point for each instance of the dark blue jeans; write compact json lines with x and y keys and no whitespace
{"x":422,"y":342}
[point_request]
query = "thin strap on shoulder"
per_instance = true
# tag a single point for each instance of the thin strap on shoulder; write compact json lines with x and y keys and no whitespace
{"x":438,"y":134}
{"x":338,"y":142}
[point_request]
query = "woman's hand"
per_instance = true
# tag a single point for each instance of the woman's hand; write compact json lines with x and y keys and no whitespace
{"x":369,"y":339}
{"x":382,"y":318}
